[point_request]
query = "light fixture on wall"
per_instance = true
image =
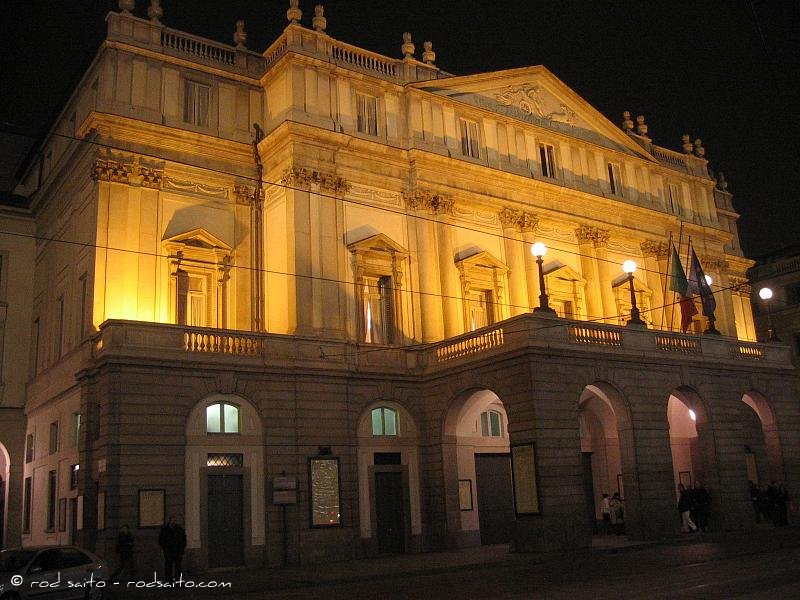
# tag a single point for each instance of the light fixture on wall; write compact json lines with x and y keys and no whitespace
{"x":539,"y":250}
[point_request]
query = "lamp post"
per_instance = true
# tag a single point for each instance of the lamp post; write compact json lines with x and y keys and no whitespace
{"x":712,"y":319}
{"x":539,"y":250}
{"x":629,"y":267}
{"x":765,"y":294}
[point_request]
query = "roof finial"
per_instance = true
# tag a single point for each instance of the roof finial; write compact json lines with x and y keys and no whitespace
{"x":126,"y":6}
{"x":687,"y":143}
{"x":641,"y":128}
{"x":240,"y":35}
{"x":721,"y":182}
{"x":294,"y":14}
{"x":627,"y":124}
{"x":408,"y":47}
{"x":429,"y":56}
{"x":319,"y":22}
{"x":155,"y":12}
{"x":698,"y":148}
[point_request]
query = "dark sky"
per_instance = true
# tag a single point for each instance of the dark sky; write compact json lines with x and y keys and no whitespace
{"x":721,"y":70}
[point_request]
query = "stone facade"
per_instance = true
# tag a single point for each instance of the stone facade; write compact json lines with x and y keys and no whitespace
{"x":350,"y":282}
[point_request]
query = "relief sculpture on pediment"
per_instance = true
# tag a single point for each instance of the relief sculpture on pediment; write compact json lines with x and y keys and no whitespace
{"x":524,"y":97}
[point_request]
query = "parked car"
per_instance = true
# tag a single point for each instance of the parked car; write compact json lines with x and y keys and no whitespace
{"x":51,"y":573}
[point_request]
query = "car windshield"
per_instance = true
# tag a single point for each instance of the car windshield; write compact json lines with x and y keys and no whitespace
{"x":14,"y":560}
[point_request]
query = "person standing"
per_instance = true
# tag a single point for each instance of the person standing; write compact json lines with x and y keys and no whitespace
{"x":684,"y":508}
{"x":172,"y":539}
{"x":702,"y":502}
{"x":617,"y":514}
{"x":124,"y":550}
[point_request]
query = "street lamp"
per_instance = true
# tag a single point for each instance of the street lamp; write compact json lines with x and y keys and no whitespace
{"x":765,"y":294}
{"x":712,"y":320}
{"x":629,"y":267}
{"x":539,"y":250}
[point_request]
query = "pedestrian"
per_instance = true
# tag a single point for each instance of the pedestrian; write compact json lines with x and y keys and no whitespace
{"x":617,"y":514}
{"x":702,"y":505}
{"x":124,"y":550}
{"x":172,"y":539}
{"x":605,"y":509}
{"x":684,"y":508}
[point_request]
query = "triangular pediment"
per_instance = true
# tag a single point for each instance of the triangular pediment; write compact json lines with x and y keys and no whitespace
{"x":198,"y":238}
{"x":536,"y":96}
{"x":483,"y":259}
{"x":558,"y":269}
{"x":380,"y":243}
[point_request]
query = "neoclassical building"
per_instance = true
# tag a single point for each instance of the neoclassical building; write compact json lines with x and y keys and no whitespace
{"x":288,"y":297}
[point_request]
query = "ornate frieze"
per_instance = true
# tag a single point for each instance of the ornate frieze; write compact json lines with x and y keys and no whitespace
{"x":522,"y":221}
{"x":524,"y":97}
{"x":131,"y":172}
{"x":304,"y":178}
{"x":194,"y":187}
{"x":740,"y":285}
{"x":590,"y":233}
{"x":654,"y":249}
{"x":244,"y":194}
{"x":713,"y":263}
{"x":435,"y":204}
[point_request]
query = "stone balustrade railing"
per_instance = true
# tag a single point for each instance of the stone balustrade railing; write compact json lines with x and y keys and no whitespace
{"x":469,"y":344}
{"x":197,"y":48}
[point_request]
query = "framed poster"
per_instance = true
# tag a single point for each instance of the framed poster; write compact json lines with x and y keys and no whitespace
{"x":151,"y":508}
{"x":465,"y":494}
{"x":523,"y":472}
{"x":685,"y":477}
{"x":325,"y":491}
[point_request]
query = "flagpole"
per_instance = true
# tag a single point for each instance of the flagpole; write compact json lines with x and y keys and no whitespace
{"x":689,"y":262}
{"x":666,"y":282}
{"x":675,"y":294}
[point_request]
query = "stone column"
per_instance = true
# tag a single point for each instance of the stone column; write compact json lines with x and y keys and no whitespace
{"x":589,"y":269}
{"x":726,"y":321}
{"x":451,"y":290}
{"x":655,"y":263}
{"x":518,"y":289}
{"x":605,"y":270}
{"x":527,"y":225}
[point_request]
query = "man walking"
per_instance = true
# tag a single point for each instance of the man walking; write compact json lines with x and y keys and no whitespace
{"x":172,"y":540}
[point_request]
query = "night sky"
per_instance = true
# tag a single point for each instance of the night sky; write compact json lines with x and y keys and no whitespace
{"x":722,"y":70}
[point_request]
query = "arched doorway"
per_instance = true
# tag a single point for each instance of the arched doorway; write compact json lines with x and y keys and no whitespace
{"x":479,"y":422}
{"x":388,"y":479}
{"x":762,"y":447}
{"x":225,"y":477}
{"x":688,"y":438}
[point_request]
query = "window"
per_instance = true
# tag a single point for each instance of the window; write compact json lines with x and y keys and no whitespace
{"x":792,"y":295}
{"x":367,"y":114}
{"x":84,"y":301}
{"x":35,"y":333}
{"x":222,"y":417}
{"x":29,"y":448}
{"x":615,"y":179}
{"x":224,"y":460}
{"x":469,"y":138}
{"x":74,"y":470}
{"x":384,"y":421}
{"x":59,"y":325}
{"x":26,"y":505}
{"x":75,"y":431}
{"x":51,"y":500}
{"x":195,"y":103}
{"x":53,"y":437}
{"x":547,"y":156}
{"x":481,"y":309}
{"x":378,"y":310}
{"x":192,"y":307}
{"x":491,"y":424}
{"x":673,"y":199}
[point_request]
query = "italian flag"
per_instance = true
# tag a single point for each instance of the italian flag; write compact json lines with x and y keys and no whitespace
{"x":680,"y":285}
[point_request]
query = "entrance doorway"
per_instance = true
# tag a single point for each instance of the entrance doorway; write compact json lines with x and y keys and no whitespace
{"x":588,"y":489}
{"x":225,"y":529}
{"x":389,"y":512}
{"x":495,"y":497}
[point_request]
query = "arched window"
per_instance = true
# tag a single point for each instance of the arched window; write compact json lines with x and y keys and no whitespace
{"x":491,"y":424}
{"x":222,"y":417}
{"x":384,"y":421}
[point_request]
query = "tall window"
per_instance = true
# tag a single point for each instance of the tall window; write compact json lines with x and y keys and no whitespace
{"x":35,"y":334}
{"x":378,"y":310}
{"x":384,"y":421}
{"x":192,"y":296}
{"x":469,"y":138}
{"x":26,"y":505}
{"x":53,"y":437}
{"x":367,"y":114}
{"x":614,"y":179}
{"x":481,"y":309}
{"x":491,"y":424}
{"x":673,"y":199}
{"x":84,"y":308}
{"x":547,"y":156}
{"x":59,"y":325}
{"x":196,"y":97}
{"x":29,"y":448}
{"x":51,"y":500}
{"x":74,"y":470}
{"x":75,"y":430}
{"x":222,"y":417}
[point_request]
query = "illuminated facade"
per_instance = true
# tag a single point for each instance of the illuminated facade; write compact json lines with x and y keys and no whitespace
{"x":334,"y":320}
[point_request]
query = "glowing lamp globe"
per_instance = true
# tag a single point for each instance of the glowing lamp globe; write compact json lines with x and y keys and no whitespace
{"x":539,"y":249}
{"x":629,"y":266}
{"x":765,"y":293}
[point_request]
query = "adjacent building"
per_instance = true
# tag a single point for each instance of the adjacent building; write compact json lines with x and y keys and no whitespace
{"x":288,"y":298}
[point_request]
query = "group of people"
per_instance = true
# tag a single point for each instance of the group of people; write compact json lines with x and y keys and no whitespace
{"x":613,"y":511}
{"x":694,"y":506}
{"x":770,"y":503}
{"x":171,"y":538}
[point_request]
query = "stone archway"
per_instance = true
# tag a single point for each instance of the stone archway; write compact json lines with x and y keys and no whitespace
{"x":687,"y":417}
{"x":763,"y":453}
{"x":477,"y":466}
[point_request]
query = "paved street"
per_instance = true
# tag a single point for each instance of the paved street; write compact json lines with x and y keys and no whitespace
{"x":765,"y":564}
